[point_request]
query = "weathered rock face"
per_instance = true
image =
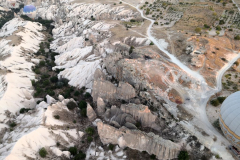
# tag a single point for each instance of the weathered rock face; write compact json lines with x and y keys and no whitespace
{"x":125,"y":91}
{"x":143,"y":74}
{"x":100,"y":106}
{"x":91,"y":113}
{"x":108,"y":91}
{"x":135,"y":139}
{"x":104,"y":89}
{"x":140,"y":113}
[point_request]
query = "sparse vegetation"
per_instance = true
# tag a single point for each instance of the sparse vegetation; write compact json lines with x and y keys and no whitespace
{"x":217,"y":124}
{"x":221,"y":99}
{"x":198,"y":30}
{"x":24,"y":110}
{"x":90,"y":131}
{"x":71,"y":105}
{"x":73,"y":150}
{"x":42,"y":152}
{"x":89,"y":139}
{"x":214,"y":102}
{"x":237,"y":37}
{"x":183,"y":155}
{"x":12,"y":124}
{"x":56,"y":116}
{"x":111,"y":147}
{"x":80,"y":156}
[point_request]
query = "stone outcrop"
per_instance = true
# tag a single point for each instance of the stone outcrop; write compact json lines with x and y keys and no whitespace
{"x":100,"y":106}
{"x":140,"y":113}
{"x":131,"y":115}
{"x":135,"y":139}
{"x":152,"y":74}
{"x":125,"y":91}
{"x":91,"y":113}
{"x":108,"y":91}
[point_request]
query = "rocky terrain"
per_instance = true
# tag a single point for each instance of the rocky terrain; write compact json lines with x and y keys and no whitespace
{"x":134,"y":85}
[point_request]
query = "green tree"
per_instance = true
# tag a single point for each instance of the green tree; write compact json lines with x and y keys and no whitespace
{"x":198,"y":30}
{"x":183,"y":155}
{"x":73,"y":150}
{"x":42,"y":152}
{"x":71,"y":105}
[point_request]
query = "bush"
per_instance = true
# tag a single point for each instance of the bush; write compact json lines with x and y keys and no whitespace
{"x":217,"y":156}
{"x":83,"y":112}
{"x":183,"y":155}
{"x":42,"y":63}
{"x":221,"y":22}
{"x":111,"y":147}
{"x":23,"y":110}
{"x":89,"y":139}
{"x":221,"y":99}
{"x":131,"y":49}
{"x":42,"y":152}
{"x":237,"y":37}
{"x":198,"y":30}
{"x":231,"y":12}
{"x":80,"y":156}
{"x":148,"y":11}
{"x":153,"y":156}
{"x":87,"y":95}
{"x":73,"y":150}
{"x":13,"y":124}
{"x":37,"y":71}
{"x":82,"y":104}
{"x":56,"y":116}
{"x":90,"y":131}
{"x":77,"y":93}
{"x":217,"y":124}
{"x":50,"y":39}
{"x":71,"y":105}
{"x":218,"y":28}
{"x":54,"y":79}
{"x":151,"y":43}
{"x":50,"y":92}
{"x":64,"y":81}
{"x":46,"y":82}
{"x":206,"y":26}
{"x":214,"y":102}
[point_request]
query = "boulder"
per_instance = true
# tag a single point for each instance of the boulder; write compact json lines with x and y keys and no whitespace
{"x":104,"y":89}
{"x":98,"y":74}
{"x":50,"y":99}
{"x":125,"y":91}
{"x":91,"y":113}
{"x":130,"y":125}
{"x":100,"y":106}
{"x":60,"y":98}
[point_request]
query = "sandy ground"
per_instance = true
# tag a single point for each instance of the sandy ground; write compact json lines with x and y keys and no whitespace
{"x":120,"y":32}
{"x":212,"y":111}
